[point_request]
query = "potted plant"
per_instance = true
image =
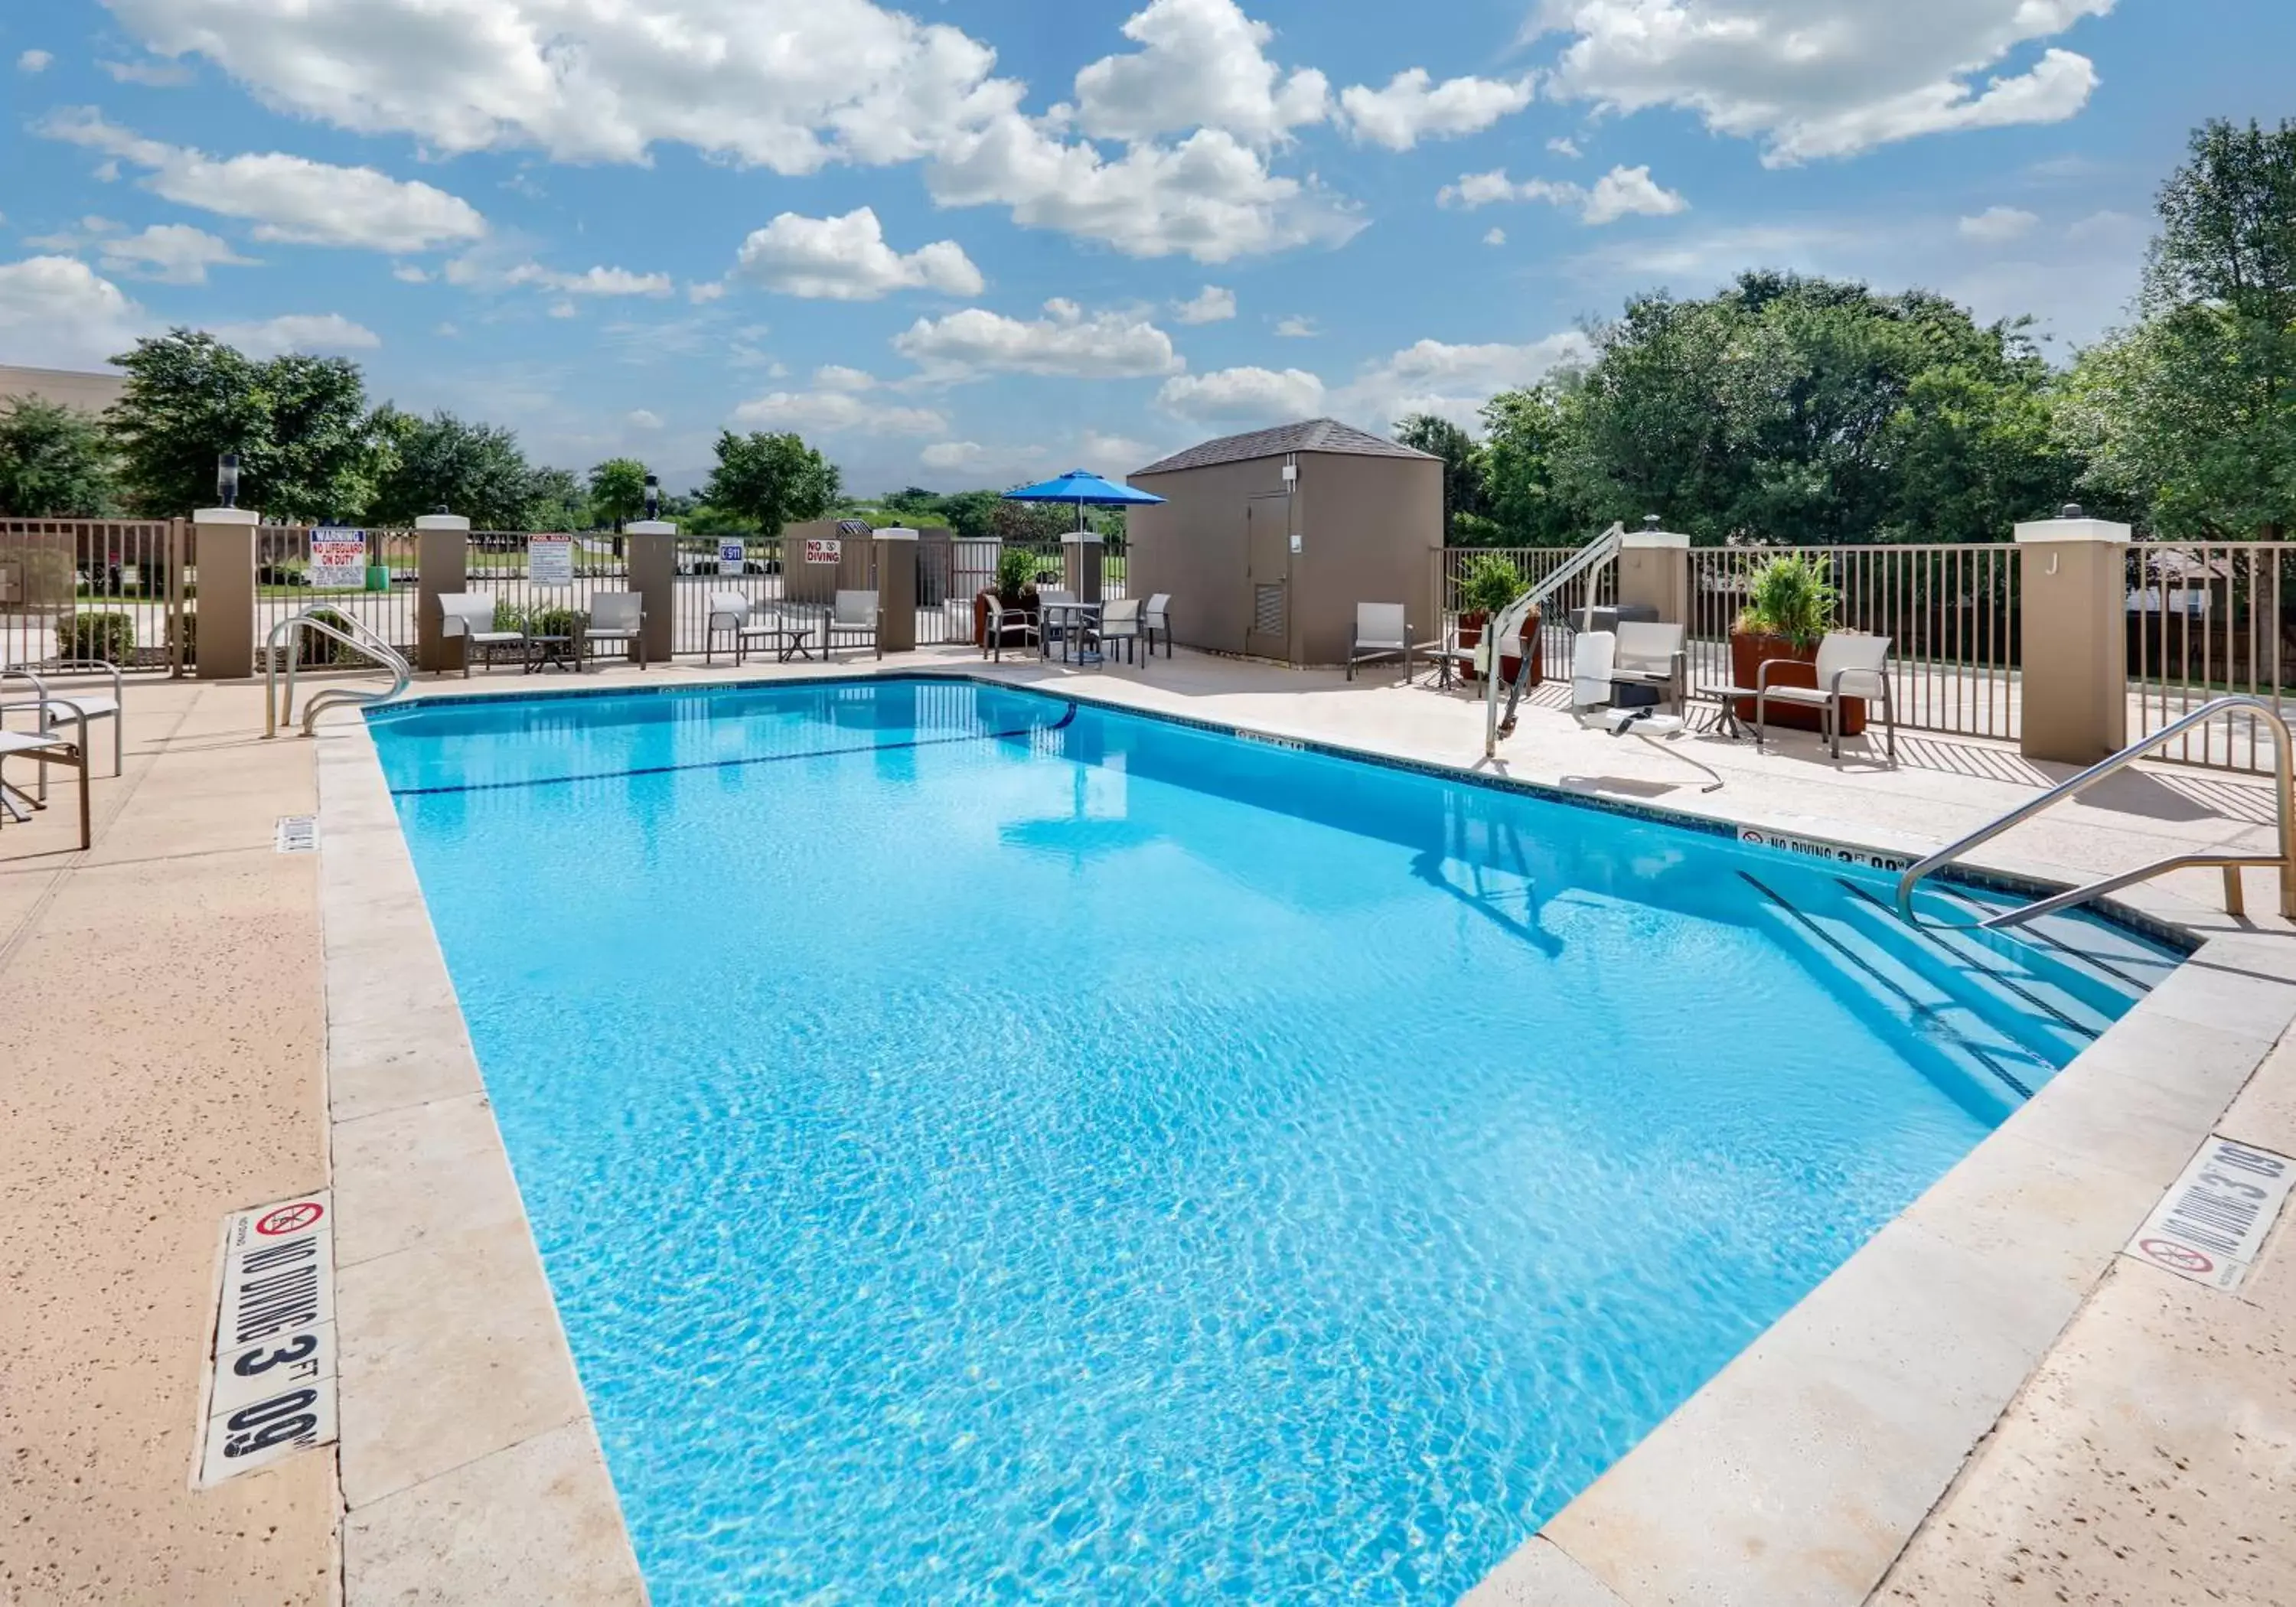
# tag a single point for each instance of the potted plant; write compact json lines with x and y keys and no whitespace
{"x":1014,"y":587}
{"x":1789,"y":603}
{"x":1490,"y":584}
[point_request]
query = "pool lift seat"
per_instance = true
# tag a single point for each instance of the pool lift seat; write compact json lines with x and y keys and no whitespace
{"x":1628,"y":707}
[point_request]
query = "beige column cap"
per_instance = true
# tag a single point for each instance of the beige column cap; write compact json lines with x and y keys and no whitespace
{"x":1666,"y":541}
{"x":442,"y":521}
{"x":650,"y":527}
{"x":894,"y":532}
{"x":2072,"y":529}
{"x":1082,"y":538}
{"x":226,"y":516}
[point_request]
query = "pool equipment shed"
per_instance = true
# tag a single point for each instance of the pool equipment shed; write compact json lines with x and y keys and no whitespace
{"x":1267,"y":541}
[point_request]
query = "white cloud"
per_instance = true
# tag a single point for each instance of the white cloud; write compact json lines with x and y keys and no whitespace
{"x":174,"y":253}
{"x":643,"y":418}
{"x":1111,"y":452}
{"x":287,"y":197}
{"x":33,"y":60}
{"x":297,"y":331}
{"x":953,"y":454}
{"x":409,"y":272}
{"x":1564,"y":147}
{"x":1451,"y":382}
{"x":563,"y":309}
{"x":1211,"y":305}
{"x":1620,"y":192}
{"x":1210,"y":196}
{"x":831,"y":410}
{"x":1495,"y":236}
{"x":847,"y":259}
{"x":56,"y":312}
{"x":1413,"y":107}
{"x":706,"y":291}
{"x":1821,"y":77}
{"x":1297,"y":327}
{"x":590,"y":282}
{"x":837,"y":376}
{"x":155,"y":75}
{"x":1203,"y":65}
{"x":1996,"y":225}
{"x":1242,"y":396}
{"x":1064,"y":341}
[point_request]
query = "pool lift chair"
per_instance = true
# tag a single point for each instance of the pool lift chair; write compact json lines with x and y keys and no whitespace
{"x":1624,"y":700}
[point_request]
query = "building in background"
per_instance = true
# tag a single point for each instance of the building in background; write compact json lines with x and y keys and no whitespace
{"x":90,"y":392}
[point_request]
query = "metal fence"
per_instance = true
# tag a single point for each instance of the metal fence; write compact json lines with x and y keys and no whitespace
{"x":1951,"y":613}
{"x":2206,"y":618}
{"x":106,"y":589}
{"x":1532,"y":565}
{"x":382,"y":600}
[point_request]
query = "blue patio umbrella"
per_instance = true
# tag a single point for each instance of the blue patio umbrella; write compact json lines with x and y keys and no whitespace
{"x":1082,"y":488}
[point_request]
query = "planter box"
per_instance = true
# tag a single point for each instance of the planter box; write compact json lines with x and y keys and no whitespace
{"x":1470,"y":634}
{"x":1748,"y":653}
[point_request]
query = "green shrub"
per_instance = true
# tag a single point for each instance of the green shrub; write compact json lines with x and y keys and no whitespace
{"x":312,"y":648}
{"x":188,"y":628}
{"x":111,"y":638}
{"x":552,"y":621}
{"x":1016,"y":568}
{"x":1490,"y":584}
{"x":1791,"y":597}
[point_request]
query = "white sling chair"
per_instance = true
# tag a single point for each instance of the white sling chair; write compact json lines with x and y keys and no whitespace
{"x":1594,"y":660}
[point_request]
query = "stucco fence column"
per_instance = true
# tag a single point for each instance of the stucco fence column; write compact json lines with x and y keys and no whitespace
{"x":652,"y":547}
{"x":2073,"y":610}
{"x":1654,"y":573}
{"x":442,"y":565}
{"x":223,"y":648}
{"x":1080,"y":564}
{"x":896,"y":589}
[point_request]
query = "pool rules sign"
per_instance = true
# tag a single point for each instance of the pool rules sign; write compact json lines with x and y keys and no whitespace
{"x":272,"y":1383}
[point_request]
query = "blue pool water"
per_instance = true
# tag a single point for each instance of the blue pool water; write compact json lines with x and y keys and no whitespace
{"x":986,"y":1148}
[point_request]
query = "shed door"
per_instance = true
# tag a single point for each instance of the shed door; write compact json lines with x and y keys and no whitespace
{"x":1268,"y":563}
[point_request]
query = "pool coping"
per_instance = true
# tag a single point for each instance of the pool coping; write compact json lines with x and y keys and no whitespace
{"x":1798,"y":1471}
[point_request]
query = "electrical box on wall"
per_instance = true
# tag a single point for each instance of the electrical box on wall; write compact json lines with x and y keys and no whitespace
{"x":1295,"y":541}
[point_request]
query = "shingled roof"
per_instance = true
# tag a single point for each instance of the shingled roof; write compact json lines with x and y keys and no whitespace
{"x":1309,"y":435}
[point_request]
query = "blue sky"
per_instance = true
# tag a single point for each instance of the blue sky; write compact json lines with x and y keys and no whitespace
{"x":979,"y":239}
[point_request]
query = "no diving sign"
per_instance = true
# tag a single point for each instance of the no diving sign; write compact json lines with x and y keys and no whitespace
{"x":272,"y":1383}
{"x":2214,"y":1219}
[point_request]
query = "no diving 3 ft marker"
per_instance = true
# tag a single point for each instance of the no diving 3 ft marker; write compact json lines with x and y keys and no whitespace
{"x":272,"y":1375}
{"x":2215,"y":1219}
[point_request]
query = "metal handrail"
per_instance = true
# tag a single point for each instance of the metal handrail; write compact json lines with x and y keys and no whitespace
{"x":1508,"y":623}
{"x":402,"y":674}
{"x":2284,"y":815}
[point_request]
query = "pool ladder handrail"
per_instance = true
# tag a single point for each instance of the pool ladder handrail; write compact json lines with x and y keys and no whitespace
{"x":275,"y":713}
{"x":2284,"y":817}
{"x":1507,"y":624}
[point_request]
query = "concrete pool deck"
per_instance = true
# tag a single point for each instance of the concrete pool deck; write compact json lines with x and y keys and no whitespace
{"x":2112,"y":1373}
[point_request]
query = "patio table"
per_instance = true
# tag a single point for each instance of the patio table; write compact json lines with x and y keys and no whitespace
{"x":544,"y":651}
{"x":1077,"y":614}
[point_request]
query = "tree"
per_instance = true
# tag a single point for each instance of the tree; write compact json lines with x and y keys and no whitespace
{"x":473,"y":469}
{"x":53,"y":462}
{"x":618,"y":491}
{"x":972,"y":514}
{"x":1524,"y":434}
{"x":298,"y":424}
{"x":2189,"y":418}
{"x":775,"y":480}
{"x":556,"y":500}
{"x":1462,"y":468}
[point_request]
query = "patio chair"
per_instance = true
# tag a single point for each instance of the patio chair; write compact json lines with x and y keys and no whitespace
{"x":51,"y":708}
{"x":735,"y":614}
{"x":852,"y":617}
{"x":1850,"y":664}
{"x":616,"y":617}
{"x":1655,"y":658}
{"x":999,"y":617}
{"x":471,"y":615}
{"x":1380,"y":632}
{"x":1050,"y":622}
{"x":1118,"y":622}
{"x":1595,"y":685}
{"x":1156,"y":621}
{"x":45,"y":750}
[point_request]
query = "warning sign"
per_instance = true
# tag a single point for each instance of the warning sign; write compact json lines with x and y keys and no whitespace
{"x":2214,"y":1219}
{"x":338,"y":559}
{"x":272,"y":1384}
{"x":550,"y":560}
{"x":820,"y":551}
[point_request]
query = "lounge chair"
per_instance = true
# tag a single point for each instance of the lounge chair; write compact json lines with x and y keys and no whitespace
{"x":999,"y":617}
{"x":45,"y":750}
{"x":852,"y":617}
{"x":616,"y":617}
{"x":1119,"y":621}
{"x":52,"y":709}
{"x":734,"y":614}
{"x":1156,"y":621}
{"x":1380,"y":632}
{"x":1849,"y":665}
{"x":471,"y":615}
{"x":1595,"y":688}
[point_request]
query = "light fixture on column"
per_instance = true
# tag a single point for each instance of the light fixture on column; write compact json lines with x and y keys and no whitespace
{"x":227,"y":479}
{"x":652,"y":498}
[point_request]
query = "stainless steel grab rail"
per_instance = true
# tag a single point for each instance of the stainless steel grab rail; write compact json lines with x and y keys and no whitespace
{"x":1507,"y":624}
{"x":2285,"y":815}
{"x":402,"y":674}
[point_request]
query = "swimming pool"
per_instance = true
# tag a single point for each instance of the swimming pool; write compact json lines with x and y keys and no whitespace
{"x":983,"y":1146}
